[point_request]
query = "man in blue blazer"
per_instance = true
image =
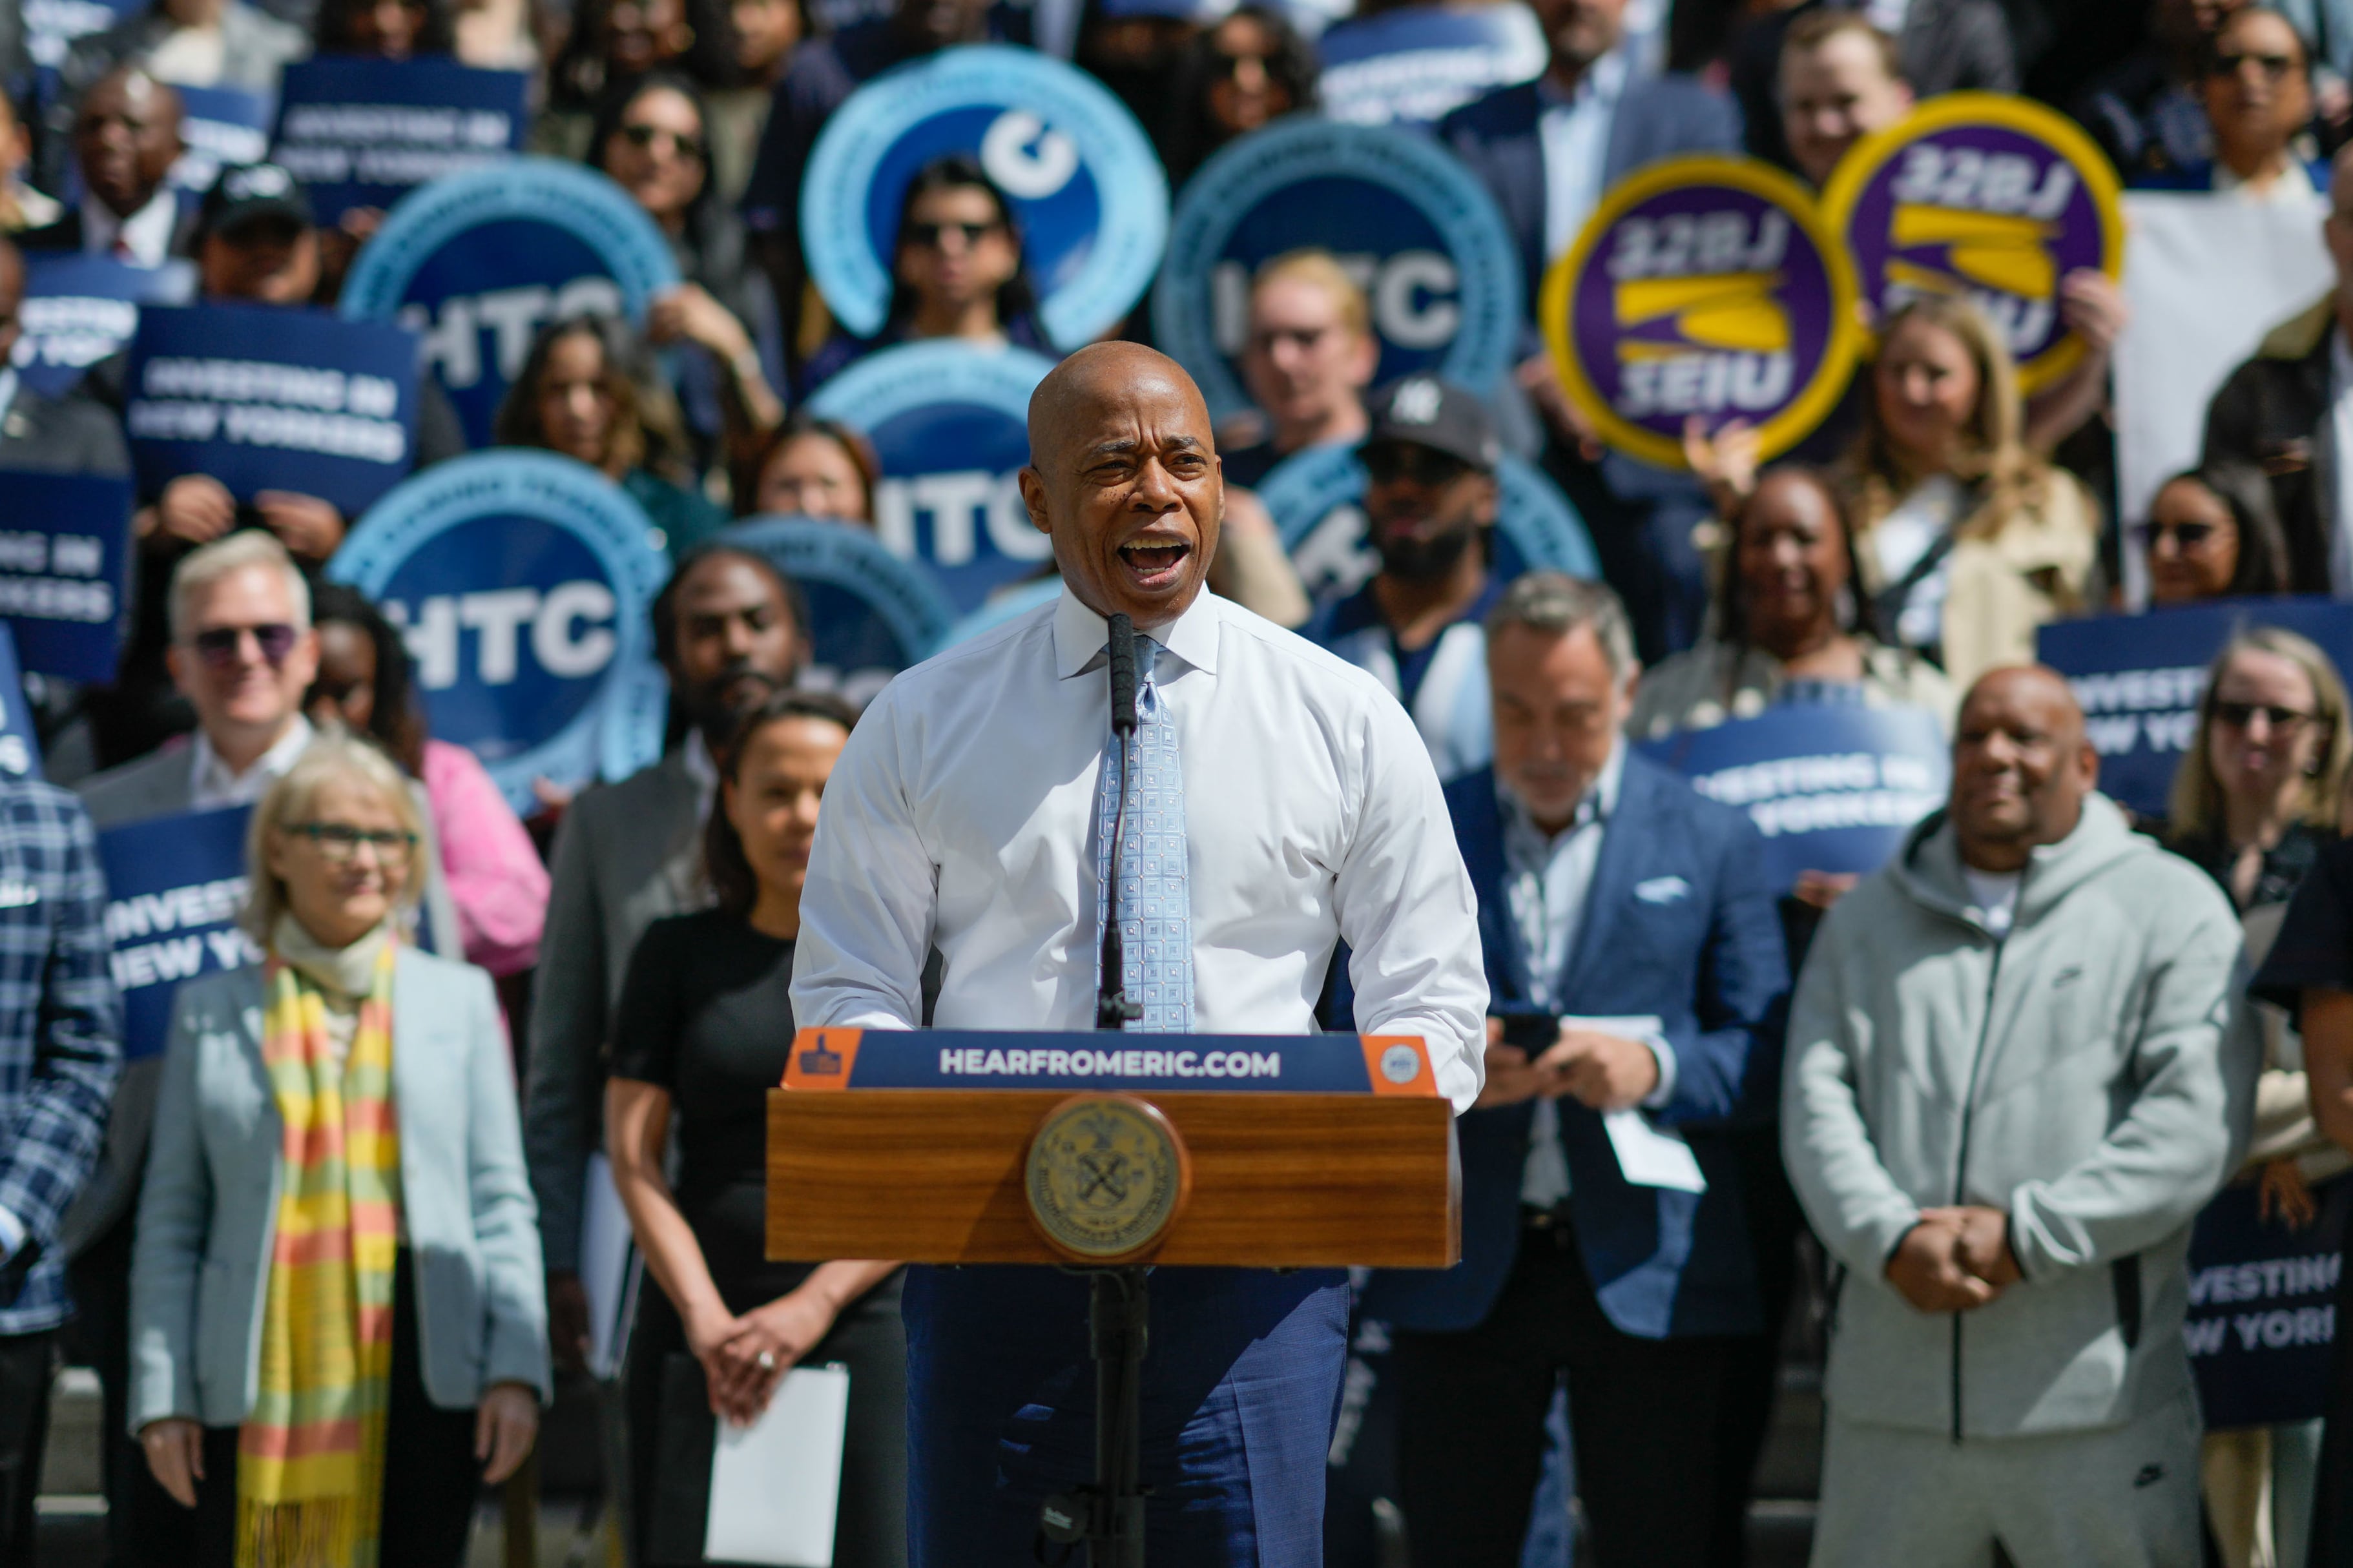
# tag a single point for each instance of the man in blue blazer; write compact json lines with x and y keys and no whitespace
{"x":1626,"y":920}
{"x":1547,"y":150}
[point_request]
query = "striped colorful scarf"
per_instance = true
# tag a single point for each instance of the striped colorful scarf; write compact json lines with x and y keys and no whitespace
{"x":310,"y":1468}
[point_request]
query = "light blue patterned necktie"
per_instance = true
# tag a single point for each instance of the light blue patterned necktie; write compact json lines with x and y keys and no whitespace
{"x":1156,"y":903}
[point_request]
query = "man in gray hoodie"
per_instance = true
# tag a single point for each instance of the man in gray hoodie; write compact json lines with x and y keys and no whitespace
{"x":2017,"y":1069}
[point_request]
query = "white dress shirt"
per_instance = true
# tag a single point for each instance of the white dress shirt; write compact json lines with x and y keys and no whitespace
{"x":1574,"y":130}
{"x":212,"y":785}
{"x":1549,"y":879}
{"x":962,"y":816}
{"x":145,"y":233}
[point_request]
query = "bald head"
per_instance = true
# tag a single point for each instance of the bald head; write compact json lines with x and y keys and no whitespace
{"x":126,"y":137}
{"x":2022,"y":766}
{"x":1122,"y":476}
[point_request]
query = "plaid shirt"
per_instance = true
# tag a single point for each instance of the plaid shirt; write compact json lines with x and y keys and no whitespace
{"x":60,"y":1036}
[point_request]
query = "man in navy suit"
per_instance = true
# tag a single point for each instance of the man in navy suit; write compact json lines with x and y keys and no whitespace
{"x":1631,"y":942}
{"x":1547,"y":150}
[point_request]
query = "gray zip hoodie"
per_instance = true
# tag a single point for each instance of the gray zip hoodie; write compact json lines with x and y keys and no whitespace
{"x":2092,"y":1075}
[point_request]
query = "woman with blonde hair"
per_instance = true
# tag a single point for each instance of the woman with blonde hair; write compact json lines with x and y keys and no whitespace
{"x":2255,"y":803}
{"x":1970,"y":540}
{"x":337,"y":1294}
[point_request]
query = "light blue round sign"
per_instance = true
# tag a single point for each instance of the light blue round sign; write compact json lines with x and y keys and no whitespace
{"x":1315,"y":499}
{"x":478,"y":261}
{"x":522,"y":582}
{"x":871,"y":614}
{"x":1414,"y":228}
{"x":951,"y":425}
{"x":1084,"y":182}
{"x":1014,"y":602}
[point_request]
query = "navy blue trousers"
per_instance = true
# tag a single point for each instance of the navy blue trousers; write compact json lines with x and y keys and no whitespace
{"x":1242,"y":1384}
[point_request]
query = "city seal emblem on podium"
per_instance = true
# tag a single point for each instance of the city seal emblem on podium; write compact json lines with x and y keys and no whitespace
{"x":1107,"y":1176}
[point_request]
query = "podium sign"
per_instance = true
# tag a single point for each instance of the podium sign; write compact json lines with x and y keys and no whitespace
{"x":946,"y":1146}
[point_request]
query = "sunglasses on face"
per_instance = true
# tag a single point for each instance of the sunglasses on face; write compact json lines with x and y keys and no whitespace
{"x":220,"y":646}
{"x":2187,"y":535}
{"x":2275,"y":67}
{"x":2238,"y":715}
{"x":1230,"y":66}
{"x":645,"y":138}
{"x":340,"y":842}
{"x":927,"y":235}
{"x":1415,"y":465}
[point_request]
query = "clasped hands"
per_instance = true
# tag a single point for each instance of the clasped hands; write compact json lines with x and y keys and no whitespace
{"x":732,"y":1351}
{"x":1955,"y":1259}
{"x":1601,"y":1072}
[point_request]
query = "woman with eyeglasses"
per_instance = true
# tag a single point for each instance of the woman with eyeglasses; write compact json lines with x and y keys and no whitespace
{"x":652,"y":138}
{"x":1968,"y":538}
{"x":2257,"y":802}
{"x":590,"y":390}
{"x":1248,"y":71}
{"x":338,"y":1324}
{"x":497,"y":880}
{"x":704,"y":1024}
{"x":2213,"y":534}
{"x":957,"y":272}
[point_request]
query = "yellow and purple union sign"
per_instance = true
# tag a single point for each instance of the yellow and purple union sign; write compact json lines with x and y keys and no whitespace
{"x":1987,"y":195}
{"x":1706,"y":287}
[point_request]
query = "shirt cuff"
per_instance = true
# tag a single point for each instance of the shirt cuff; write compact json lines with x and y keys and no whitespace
{"x":12,"y":1235}
{"x":1665,"y":1053}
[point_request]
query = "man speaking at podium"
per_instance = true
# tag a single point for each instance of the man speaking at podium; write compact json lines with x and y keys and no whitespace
{"x":1282,"y":803}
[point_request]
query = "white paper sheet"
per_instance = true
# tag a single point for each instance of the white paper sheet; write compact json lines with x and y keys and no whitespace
{"x":607,"y":1259}
{"x":1648,"y":1155}
{"x":776,"y":1484}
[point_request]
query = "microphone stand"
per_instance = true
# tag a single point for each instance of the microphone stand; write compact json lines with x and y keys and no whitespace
{"x":1108,"y":1515}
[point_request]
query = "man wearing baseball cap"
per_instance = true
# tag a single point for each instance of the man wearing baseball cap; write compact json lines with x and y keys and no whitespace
{"x":1430,"y":500}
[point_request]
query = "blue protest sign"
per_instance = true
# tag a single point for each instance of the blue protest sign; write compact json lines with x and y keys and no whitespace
{"x":950,"y":423}
{"x":871,"y":614}
{"x":2140,"y":678}
{"x":1002,"y":606}
{"x":364,"y":132}
{"x":78,"y":310}
{"x":263,"y":397}
{"x":2261,"y":1324}
{"x":1415,"y":64}
{"x":52,"y":28}
{"x":1413,"y":227}
{"x":478,"y":261}
{"x":174,"y":886}
{"x":218,"y":125}
{"x":65,"y":566}
{"x":20,"y":742}
{"x":1084,"y":182}
{"x":1832,"y":787}
{"x":522,"y":581}
{"x":1313,"y":497}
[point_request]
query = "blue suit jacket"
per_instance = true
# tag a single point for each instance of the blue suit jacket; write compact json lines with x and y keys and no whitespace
{"x":1497,"y":140}
{"x":1679,"y":924}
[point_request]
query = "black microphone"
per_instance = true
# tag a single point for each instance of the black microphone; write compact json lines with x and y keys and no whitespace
{"x":1122,"y":652}
{"x":1112,"y":1009}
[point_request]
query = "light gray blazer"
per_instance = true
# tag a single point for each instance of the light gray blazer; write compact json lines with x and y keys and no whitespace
{"x":207,"y":1215}
{"x":163,"y":785}
{"x":627,"y":855}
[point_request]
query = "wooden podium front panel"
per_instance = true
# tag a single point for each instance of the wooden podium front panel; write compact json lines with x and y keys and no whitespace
{"x":1279,"y":1180}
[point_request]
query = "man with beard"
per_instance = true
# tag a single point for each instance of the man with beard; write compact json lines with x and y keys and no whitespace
{"x":1430,"y":497}
{"x":729,"y":629}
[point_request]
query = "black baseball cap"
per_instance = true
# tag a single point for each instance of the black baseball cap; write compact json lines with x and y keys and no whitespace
{"x":245,"y":192}
{"x":1428,"y":412}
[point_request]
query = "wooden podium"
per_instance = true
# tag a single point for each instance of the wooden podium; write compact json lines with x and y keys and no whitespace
{"x":1109,"y":1152}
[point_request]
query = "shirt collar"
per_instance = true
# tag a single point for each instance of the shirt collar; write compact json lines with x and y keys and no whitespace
{"x":147,"y":231}
{"x":211,"y":777}
{"x":1603,"y":82}
{"x":1080,"y":634}
{"x":1601,"y":800}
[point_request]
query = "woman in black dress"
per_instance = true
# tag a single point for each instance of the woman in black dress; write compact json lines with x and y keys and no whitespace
{"x":704,"y":1026}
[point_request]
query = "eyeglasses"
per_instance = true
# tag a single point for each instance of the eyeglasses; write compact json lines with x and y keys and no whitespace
{"x":927,"y":235}
{"x":2238,"y":715}
{"x":1389,"y":463}
{"x":2187,"y":535}
{"x":1230,"y":66}
{"x":220,"y":647}
{"x":644,"y":137}
{"x":2275,"y":67}
{"x":340,"y":842}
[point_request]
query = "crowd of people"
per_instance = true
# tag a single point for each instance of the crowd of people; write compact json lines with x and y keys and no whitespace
{"x":325,"y":1249}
